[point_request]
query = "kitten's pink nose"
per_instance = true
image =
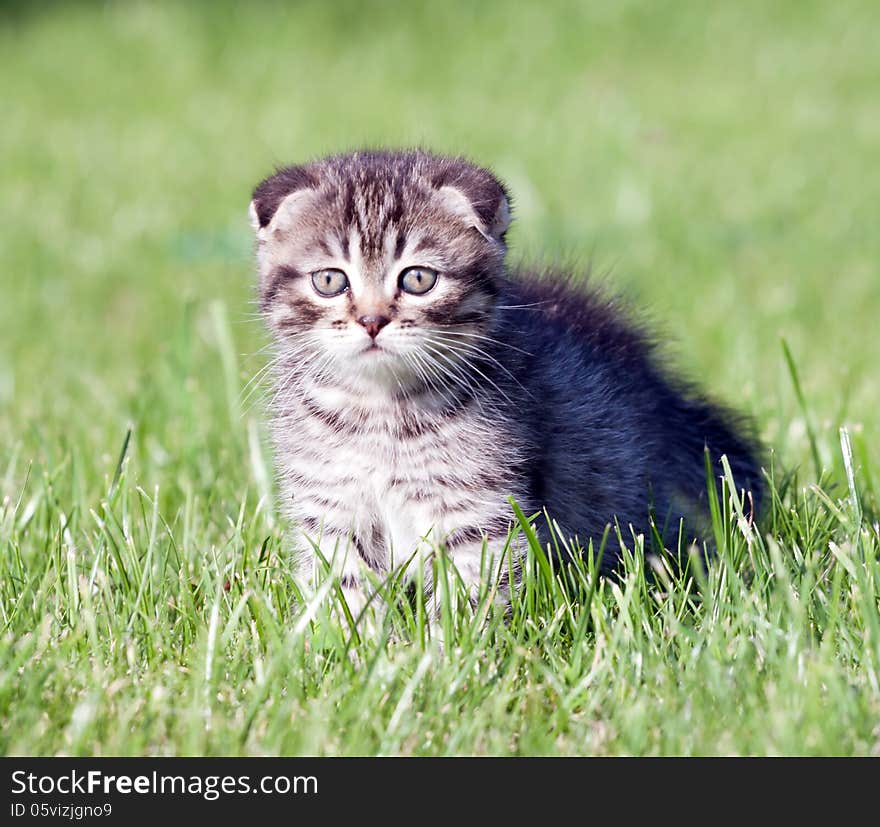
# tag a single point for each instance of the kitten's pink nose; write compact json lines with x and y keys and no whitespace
{"x":373,"y":324}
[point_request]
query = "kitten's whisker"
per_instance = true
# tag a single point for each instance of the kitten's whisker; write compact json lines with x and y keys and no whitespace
{"x":432,"y":375}
{"x":426,"y":381}
{"x":468,"y":347}
{"x":294,"y":385}
{"x":397,"y":381}
{"x":461,"y":378}
{"x":523,"y":306}
{"x":410,"y":361}
{"x":484,"y":338}
{"x":258,"y":376}
{"x":255,"y":391}
{"x":282,"y":365}
{"x":467,"y":381}
{"x":255,"y":380}
{"x":442,"y":376}
{"x":474,"y":368}
{"x":462,"y":348}
{"x":250,"y":393}
{"x":270,"y":346}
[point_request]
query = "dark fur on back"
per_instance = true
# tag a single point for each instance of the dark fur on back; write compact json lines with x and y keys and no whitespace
{"x":614,"y":430}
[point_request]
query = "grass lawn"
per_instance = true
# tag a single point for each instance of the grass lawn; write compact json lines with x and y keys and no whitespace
{"x":712,"y":160}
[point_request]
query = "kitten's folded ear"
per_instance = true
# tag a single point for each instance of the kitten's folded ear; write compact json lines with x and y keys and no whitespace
{"x":477,"y":196}
{"x":279,"y":196}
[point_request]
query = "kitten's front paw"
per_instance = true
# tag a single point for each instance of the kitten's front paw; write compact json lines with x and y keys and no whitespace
{"x":356,"y":609}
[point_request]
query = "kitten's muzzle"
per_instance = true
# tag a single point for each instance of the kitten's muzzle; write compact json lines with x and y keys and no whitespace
{"x":373,"y":324}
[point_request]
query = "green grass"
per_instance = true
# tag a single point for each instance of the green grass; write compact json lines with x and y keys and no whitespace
{"x":715,"y":160}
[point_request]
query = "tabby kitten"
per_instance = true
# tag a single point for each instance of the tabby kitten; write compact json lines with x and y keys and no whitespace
{"x":419,"y":384}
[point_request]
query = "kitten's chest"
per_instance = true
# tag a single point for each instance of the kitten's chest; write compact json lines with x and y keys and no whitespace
{"x":396,"y":459}
{"x":381,"y":444}
{"x":392,"y":473}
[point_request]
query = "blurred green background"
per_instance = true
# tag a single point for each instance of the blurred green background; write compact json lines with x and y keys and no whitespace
{"x":716,"y":162}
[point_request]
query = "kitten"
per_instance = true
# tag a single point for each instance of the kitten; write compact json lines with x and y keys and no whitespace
{"x":419,"y":385}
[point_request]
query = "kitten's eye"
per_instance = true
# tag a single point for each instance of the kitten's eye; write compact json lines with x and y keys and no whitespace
{"x":418,"y":280}
{"x":329,"y":282}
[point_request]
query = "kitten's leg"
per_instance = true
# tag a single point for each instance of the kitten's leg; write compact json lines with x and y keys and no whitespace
{"x":366,"y":609}
{"x":479,"y":561}
{"x":345,"y":565}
